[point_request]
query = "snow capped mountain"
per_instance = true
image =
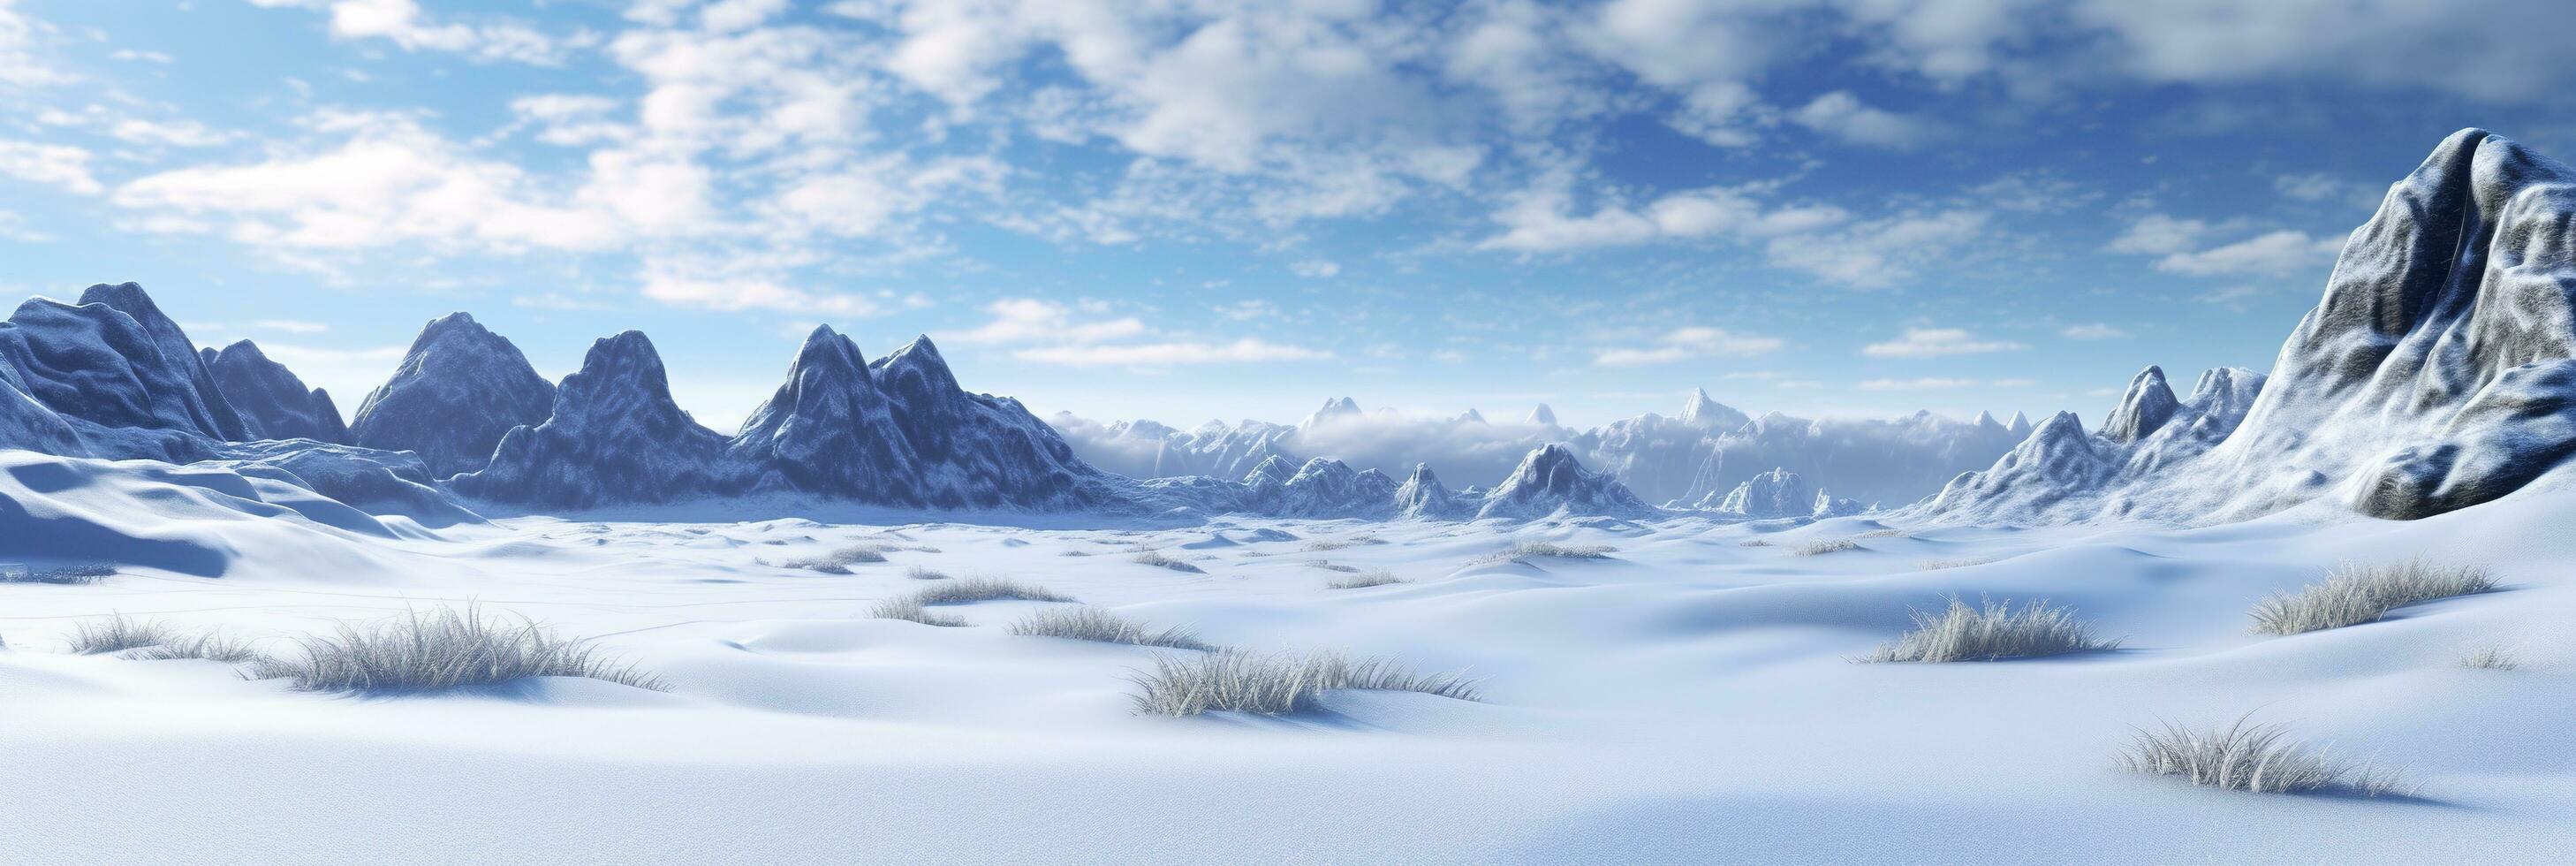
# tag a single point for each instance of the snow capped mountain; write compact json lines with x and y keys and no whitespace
{"x":1702,"y":412}
{"x":272,"y":402}
{"x":613,"y":436}
{"x":1541,"y":417}
{"x":111,"y":367}
{"x":2019,"y":426}
{"x":977,"y":450}
{"x":2145,"y":406}
{"x":1551,"y":480}
{"x":1423,"y":497}
{"x":1471,"y":416}
{"x":458,"y":390}
{"x":827,"y":429}
{"x":1332,"y":411}
{"x":2437,"y":372}
{"x":1331,"y":489}
{"x":201,"y":398}
{"x":1777,"y":493}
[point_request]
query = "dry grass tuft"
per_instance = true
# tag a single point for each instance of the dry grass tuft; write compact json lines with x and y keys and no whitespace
{"x":2357,"y":594}
{"x":1365,"y":579}
{"x":60,"y":575}
{"x":1521,"y":551}
{"x":911,"y":609}
{"x":118,"y":634}
{"x":2493,"y":658}
{"x":974,"y":589}
{"x":1095,"y":624}
{"x":2250,"y":757}
{"x":1821,"y":548}
{"x":920,"y":573}
{"x":445,"y":649}
{"x":1991,"y":631}
{"x":1274,"y":685}
{"x":1158,"y":559}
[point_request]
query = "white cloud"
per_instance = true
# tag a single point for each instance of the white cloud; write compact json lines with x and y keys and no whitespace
{"x":2520,"y":45}
{"x":403,"y":23}
{"x":1686,"y":344}
{"x":390,"y":180}
{"x":2274,"y":253}
{"x":2093,"y":331}
{"x":1030,"y":320}
{"x":131,"y":55}
{"x":1881,"y":252}
{"x":51,"y":164}
{"x":292,"y":326}
{"x":20,"y":36}
{"x":1842,"y":115}
{"x":2158,"y":234}
{"x":1315,"y":268}
{"x":1937,"y":342}
{"x":735,"y":293}
{"x":1248,"y":309}
{"x":176,"y":133}
{"x":1174,"y":354}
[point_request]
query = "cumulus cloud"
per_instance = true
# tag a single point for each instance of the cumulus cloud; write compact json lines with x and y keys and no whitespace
{"x":2093,"y":331}
{"x":2520,"y":44}
{"x":1687,"y":344}
{"x":1842,"y":115}
{"x":734,"y":293}
{"x":1937,"y":342}
{"x":404,"y":24}
{"x":1028,"y":320}
{"x":60,"y":165}
{"x":2272,"y":253}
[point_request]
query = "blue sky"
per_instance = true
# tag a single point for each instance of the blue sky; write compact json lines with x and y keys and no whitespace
{"x":1182,"y":209}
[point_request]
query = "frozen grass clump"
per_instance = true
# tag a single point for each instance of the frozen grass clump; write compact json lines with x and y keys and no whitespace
{"x":1938,"y":564}
{"x":1883,"y":533}
{"x":1824,"y":547}
{"x":1754,"y":542}
{"x":1319,"y":545}
{"x":2251,"y":757}
{"x":920,"y":573}
{"x":1329,"y":565}
{"x":1095,"y":624}
{"x":1989,"y":631}
{"x":2493,"y":658}
{"x":446,"y":649}
{"x":1158,"y":559}
{"x":61,"y":575}
{"x":1274,"y":685}
{"x":1364,"y":580}
{"x":210,"y":645}
{"x":910,"y":608}
{"x":118,"y":634}
{"x":975,"y":589}
{"x":840,"y":560}
{"x":1526,"y":550}
{"x":2356,"y":594}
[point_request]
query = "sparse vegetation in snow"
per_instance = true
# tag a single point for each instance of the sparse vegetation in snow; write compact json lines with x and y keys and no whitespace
{"x":1527,"y":550}
{"x":1095,"y":624}
{"x":2493,"y":658}
{"x":974,"y":589}
{"x":1989,"y":631}
{"x":444,"y":649}
{"x":838,"y":561}
{"x":2356,"y":594}
{"x":211,"y":645}
{"x":116,"y":633}
{"x":2244,"y":756}
{"x":1159,"y":559}
{"x":65,"y":575}
{"x":1821,"y":548}
{"x":1329,"y":565}
{"x":1276,"y":684}
{"x":911,"y":609}
{"x":920,"y":573}
{"x":1365,"y":579}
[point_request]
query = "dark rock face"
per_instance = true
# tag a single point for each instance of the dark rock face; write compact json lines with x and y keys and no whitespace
{"x":614,"y":436}
{"x":201,"y":398}
{"x":272,"y":402}
{"x":100,"y":364}
{"x":458,"y":391}
{"x":900,"y":431}
{"x":2144,"y":407}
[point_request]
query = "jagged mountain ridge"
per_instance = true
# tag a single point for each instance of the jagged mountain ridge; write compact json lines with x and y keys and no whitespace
{"x":459,"y":389}
{"x":272,"y":402}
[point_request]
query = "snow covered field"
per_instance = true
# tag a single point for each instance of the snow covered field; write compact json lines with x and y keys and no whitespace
{"x":1690,"y":698}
